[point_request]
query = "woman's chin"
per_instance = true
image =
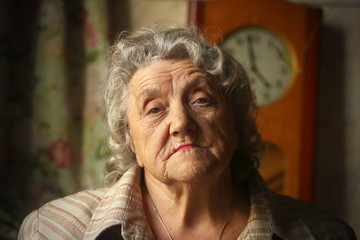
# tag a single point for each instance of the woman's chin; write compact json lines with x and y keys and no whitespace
{"x":193,"y":171}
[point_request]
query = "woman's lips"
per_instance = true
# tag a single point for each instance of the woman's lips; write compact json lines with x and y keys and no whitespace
{"x":184,"y":147}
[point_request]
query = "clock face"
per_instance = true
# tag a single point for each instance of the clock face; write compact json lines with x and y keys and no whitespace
{"x":267,"y":58}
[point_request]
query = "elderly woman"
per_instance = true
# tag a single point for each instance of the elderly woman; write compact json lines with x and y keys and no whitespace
{"x":183,"y":163}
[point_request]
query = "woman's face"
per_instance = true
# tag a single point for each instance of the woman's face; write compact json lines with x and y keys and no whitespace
{"x":181,"y":126}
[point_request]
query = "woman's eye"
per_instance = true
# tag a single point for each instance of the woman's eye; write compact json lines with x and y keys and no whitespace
{"x":203,"y":101}
{"x":154,"y":110}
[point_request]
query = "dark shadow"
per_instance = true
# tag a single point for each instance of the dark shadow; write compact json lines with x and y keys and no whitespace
{"x":330,"y":181}
{"x":17,"y":59}
{"x":119,"y":17}
{"x":75,"y":79}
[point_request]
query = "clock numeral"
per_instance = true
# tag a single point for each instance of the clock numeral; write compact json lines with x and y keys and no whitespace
{"x":284,"y":70}
{"x":240,"y":41}
{"x":230,"y":51}
{"x":270,"y":43}
{"x":279,"y":84}
{"x":254,"y":38}
{"x":252,"y":81}
{"x":266,"y":96}
{"x":257,"y":38}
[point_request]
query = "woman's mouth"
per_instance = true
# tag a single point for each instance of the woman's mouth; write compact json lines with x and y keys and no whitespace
{"x":184,"y":147}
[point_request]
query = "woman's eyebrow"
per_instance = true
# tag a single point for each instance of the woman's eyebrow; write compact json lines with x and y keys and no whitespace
{"x":150,"y":92}
{"x":202,"y":81}
{"x":146,"y":95}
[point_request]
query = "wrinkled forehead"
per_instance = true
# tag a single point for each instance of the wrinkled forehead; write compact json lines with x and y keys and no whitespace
{"x":175,"y":72}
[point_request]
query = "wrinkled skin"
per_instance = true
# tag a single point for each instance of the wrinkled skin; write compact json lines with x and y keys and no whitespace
{"x":181,"y":126}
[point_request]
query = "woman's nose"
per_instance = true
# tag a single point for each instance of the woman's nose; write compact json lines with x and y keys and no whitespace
{"x":181,"y":120}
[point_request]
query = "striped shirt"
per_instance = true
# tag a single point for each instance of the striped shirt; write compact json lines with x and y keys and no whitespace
{"x":117,"y":213}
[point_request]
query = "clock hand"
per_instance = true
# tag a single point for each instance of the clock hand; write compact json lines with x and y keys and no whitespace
{"x":253,"y":65}
{"x":281,"y":55}
{"x":251,"y":53}
{"x":262,"y":79}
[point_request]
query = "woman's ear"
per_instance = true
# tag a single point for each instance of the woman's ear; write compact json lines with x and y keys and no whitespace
{"x":138,"y":160}
{"x":129,"y":138}
{"x":132,"y":145}
{"x":133,"y":148}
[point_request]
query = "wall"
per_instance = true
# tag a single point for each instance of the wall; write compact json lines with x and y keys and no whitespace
{"x":133,"y":14}
{"x":338,"y":144}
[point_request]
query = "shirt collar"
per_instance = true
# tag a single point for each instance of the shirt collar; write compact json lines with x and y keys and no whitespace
{"x":121,"y":205}
{"x":268,"y":219}
{"x":259,"y":225}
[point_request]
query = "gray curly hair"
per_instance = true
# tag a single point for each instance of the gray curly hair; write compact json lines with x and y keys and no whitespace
{"x":133,"y":50}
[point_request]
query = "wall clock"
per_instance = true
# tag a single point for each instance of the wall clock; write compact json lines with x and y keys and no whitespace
{"x":277,"y":41}
{"x":268,"y":60}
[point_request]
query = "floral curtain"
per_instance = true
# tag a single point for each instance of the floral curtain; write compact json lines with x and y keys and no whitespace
{"x":52,"y":59}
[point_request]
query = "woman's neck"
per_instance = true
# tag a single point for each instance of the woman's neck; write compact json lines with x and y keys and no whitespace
{"x":191,"y":209}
